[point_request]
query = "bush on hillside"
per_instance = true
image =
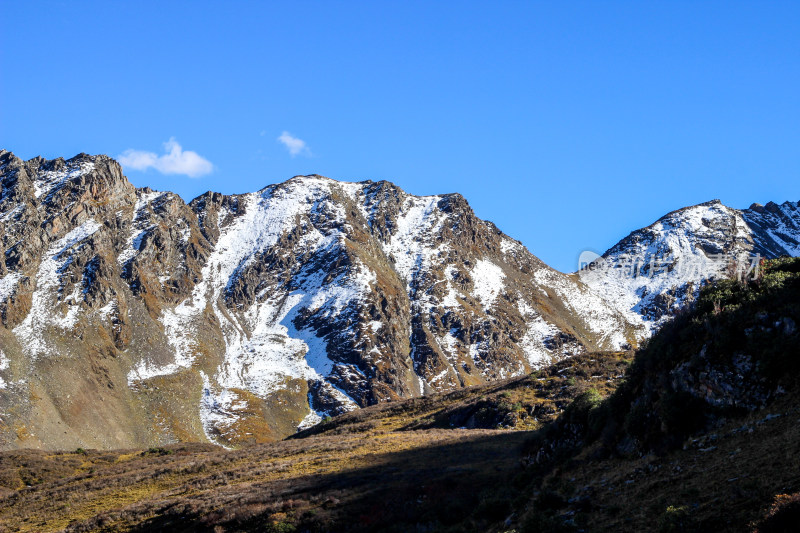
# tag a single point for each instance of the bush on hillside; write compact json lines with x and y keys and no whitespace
{"x":783,"y":516}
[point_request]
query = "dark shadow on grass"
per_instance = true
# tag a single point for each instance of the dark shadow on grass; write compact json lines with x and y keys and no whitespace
{"x":457,"y":486}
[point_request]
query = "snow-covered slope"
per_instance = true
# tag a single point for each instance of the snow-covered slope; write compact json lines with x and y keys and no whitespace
{"x":130,"y":318}
{"x":368,"y":294}
{"x":657,"y":270}
{"x":239,"y":318}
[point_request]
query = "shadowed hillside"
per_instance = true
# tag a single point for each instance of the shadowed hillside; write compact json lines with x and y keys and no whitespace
{"x":703,"y":435}
{"x":401,"y":464}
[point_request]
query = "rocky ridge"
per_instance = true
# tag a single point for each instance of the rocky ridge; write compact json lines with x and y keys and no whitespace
{"x":132,"y":318}
{"x":657,"y":271}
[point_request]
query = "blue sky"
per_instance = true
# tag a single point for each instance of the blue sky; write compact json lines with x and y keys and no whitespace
{"x":568,"y":124}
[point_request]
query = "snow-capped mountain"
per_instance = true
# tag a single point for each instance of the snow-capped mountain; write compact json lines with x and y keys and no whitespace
{"x":131,"y":318}
{"x":655,"y":271}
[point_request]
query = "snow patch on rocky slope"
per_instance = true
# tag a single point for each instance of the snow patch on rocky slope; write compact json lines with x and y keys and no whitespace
{"x":49,"y":288}
{"x":657,"y":270}
{"x":48,"y":182}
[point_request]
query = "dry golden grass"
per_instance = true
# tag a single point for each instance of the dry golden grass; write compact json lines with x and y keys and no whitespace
{"x":524,"y":403}
{"x":398,"y":465}
{"x":329,"y":479}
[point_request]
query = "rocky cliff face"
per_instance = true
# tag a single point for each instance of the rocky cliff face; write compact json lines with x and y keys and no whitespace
{"x":655,"y":271}
{"x":130,"y":318}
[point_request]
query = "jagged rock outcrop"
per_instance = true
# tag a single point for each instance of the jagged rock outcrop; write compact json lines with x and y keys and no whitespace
{"x":657,"y":271}
{"x":130,"y":318}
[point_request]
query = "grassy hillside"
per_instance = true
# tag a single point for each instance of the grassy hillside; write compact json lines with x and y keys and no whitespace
{"x":390,"y":467}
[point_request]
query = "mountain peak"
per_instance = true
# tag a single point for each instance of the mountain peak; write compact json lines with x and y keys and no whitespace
{"x":239,"y":318}
{"x":657,"y":270}
{"x":309,"y":298}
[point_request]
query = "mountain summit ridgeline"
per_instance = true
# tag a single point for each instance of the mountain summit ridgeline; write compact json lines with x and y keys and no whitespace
{"x":131,"y":318}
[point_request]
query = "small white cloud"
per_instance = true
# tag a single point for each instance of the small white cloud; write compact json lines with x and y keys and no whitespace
{"x":176,"y":160}
{"x":294,"y":145}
